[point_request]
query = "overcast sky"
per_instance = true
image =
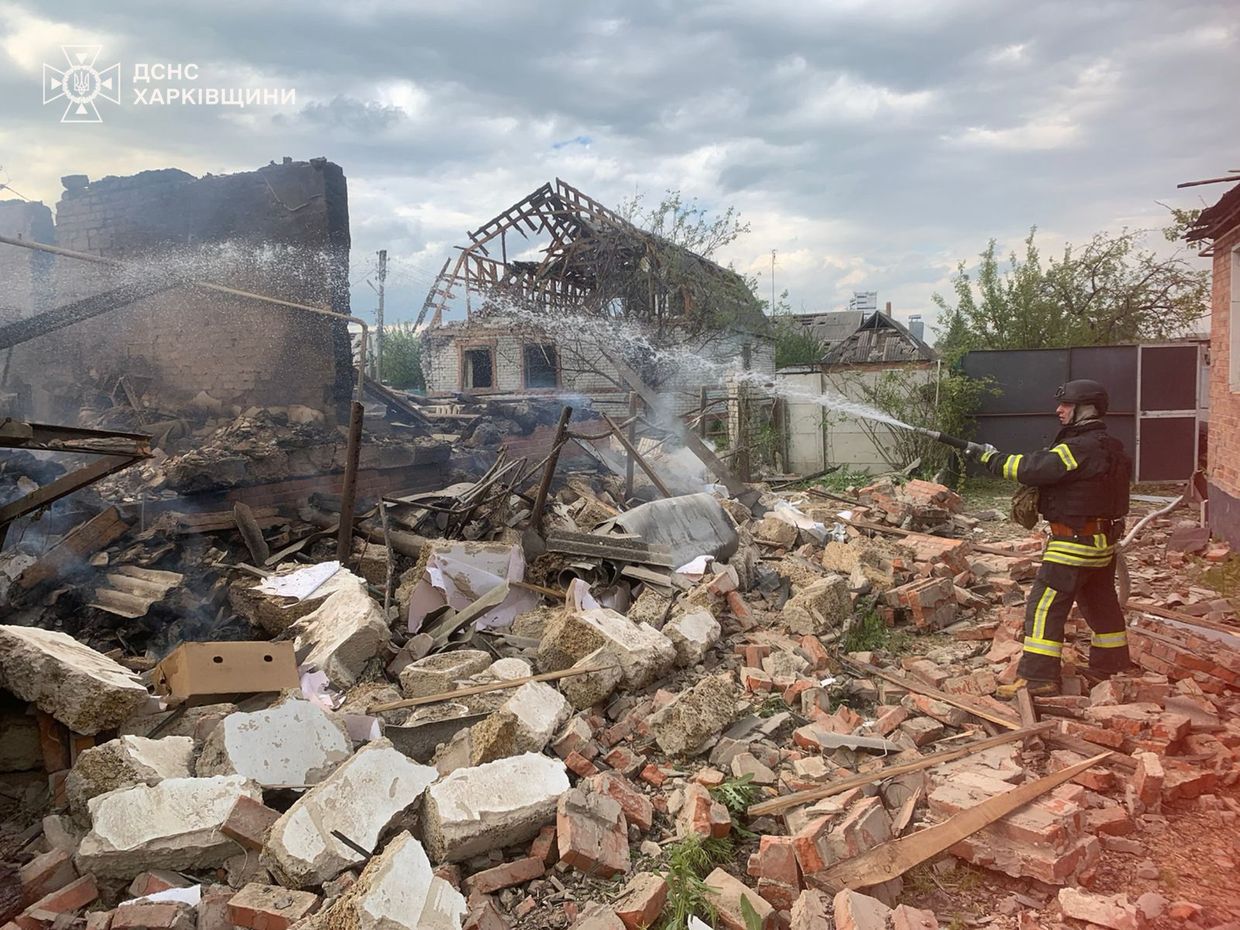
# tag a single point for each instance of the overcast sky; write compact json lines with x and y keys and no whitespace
{"x":872,"y":145}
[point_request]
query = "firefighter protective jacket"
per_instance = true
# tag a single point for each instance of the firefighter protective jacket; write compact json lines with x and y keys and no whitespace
{"x":1082,"y":477}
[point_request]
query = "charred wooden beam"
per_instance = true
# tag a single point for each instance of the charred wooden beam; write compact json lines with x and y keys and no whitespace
{"x":49,"y":321}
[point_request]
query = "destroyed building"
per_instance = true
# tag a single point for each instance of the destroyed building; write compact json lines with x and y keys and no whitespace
{"x":73,"y":329}
{"x":426,"y":672}
{"x":1219,"y":225}
{"x":539,"y":286}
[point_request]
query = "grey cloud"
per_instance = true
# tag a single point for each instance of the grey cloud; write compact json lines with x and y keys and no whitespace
{"x":907,"y":121}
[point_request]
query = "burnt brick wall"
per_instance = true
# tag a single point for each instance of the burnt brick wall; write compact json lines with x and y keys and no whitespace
{"x":281,"y":230}
{"x":1224,"y":450}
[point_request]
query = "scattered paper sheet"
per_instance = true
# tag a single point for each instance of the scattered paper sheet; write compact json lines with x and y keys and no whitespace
{"x":300,"y":584}
{"x":697,"y":567}
{"x":458,"y":575}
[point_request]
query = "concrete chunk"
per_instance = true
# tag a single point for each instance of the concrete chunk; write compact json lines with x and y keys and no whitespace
{"x":292,"y":744}
{"x":525,"y":722}
{"x":693,"y":720}
{"x":174,"y":824}
{"x":344,"y":633}
{"x":82,"y":688}
{"x":485,"y":807}
{"x":359,"y":799}
{"x":589,"y":689}
{"x":125,"y":762}
{"x":439,"y":672}
{"x":693,"y":634}
{"x":398,"y":891}
{"x":819,"y":607}
{"x":642,"y":651}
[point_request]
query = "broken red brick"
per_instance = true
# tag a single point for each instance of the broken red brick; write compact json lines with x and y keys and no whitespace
{"x":641,"y":901}
{"x":579,"y":765}
{"x":636,"y":806}
{"x":1147,"y":782}
{"x":592,"y":834}
{"x":625,"y":760}
{"x":544,"y":846}
{"x":655,"y":776}
{"x":249,"y":822}
{"x":213,"y":908}
{"x":156,"y":880}
{"x":505,"y":875}
{"x":889,"y":720}
{"x":775,"y":867}
{"x":46,"y":873}
{"x":270,"y":907}
{"x":702,"y":814}
{"x":1111,"y":821}
{"x":66,"y":900}
{"x":911,"y":918}
{"x":152,"y":915}
{"x":756,"y":680}
{"x":815,"y":652}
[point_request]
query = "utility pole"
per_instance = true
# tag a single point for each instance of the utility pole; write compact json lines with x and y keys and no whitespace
{"x":772,"y":281}
{"x":379,"y":318}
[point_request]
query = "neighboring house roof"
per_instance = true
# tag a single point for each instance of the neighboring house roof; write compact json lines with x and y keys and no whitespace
{"x":596,"y":261}
{"x":1217,"y":220}
{"x":830,"y":328}
{"x":879,"y":338}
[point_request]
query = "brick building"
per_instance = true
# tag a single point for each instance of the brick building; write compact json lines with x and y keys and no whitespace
{"x":282,"y":230}
{"x":1220,"y":225}
{"x":557,"y":281}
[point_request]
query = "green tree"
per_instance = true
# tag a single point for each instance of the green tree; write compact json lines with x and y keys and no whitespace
{"x":1108,"y":291}
{"x":402,"y":357}
{"x":794,"y":344}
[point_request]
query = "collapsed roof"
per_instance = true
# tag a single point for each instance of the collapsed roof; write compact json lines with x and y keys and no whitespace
{"x":879,"y":339}
{"x":596,"y":261}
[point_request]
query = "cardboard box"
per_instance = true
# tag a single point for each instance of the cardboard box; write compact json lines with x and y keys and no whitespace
{"x":219,"y":669}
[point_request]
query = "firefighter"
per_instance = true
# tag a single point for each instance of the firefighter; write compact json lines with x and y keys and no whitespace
{"x":1082,"y":491}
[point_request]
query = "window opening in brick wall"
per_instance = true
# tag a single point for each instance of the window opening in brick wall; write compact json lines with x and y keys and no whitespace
{"x":479,"y":369}
{"x":541,"y":364}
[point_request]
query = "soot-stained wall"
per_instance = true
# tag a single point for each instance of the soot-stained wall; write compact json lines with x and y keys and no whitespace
{"x":282,"y":230}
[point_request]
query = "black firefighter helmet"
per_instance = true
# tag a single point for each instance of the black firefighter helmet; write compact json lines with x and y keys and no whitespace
{"x":1084,"y":391}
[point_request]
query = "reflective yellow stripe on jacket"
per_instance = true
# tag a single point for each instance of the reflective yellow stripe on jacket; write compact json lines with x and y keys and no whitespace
{"x":1097,"y":553}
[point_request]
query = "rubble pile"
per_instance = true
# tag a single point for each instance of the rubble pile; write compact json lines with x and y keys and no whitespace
{"x":777,"y":716}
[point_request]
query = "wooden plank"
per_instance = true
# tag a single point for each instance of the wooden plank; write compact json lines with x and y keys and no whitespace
{"x":779,"y":805}
{"x":893,"y":859}
{"x":956,"y":700}
{"x":1178,"y":615}
{"x":64,"y":486}
{"x":635,"y":456}
{"x":1083,"y":747}
{"x":484,"y":689}
{"x":1028,"y":714}
{"x":75,"y":547}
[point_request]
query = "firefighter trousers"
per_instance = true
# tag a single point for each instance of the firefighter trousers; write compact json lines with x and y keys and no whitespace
{"x":1056,"y":588}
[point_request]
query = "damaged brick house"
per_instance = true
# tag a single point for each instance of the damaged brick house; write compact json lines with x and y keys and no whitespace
{"x":82,"y":335}
{"x":556,"y":283}
{"x":1220,"y":226}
